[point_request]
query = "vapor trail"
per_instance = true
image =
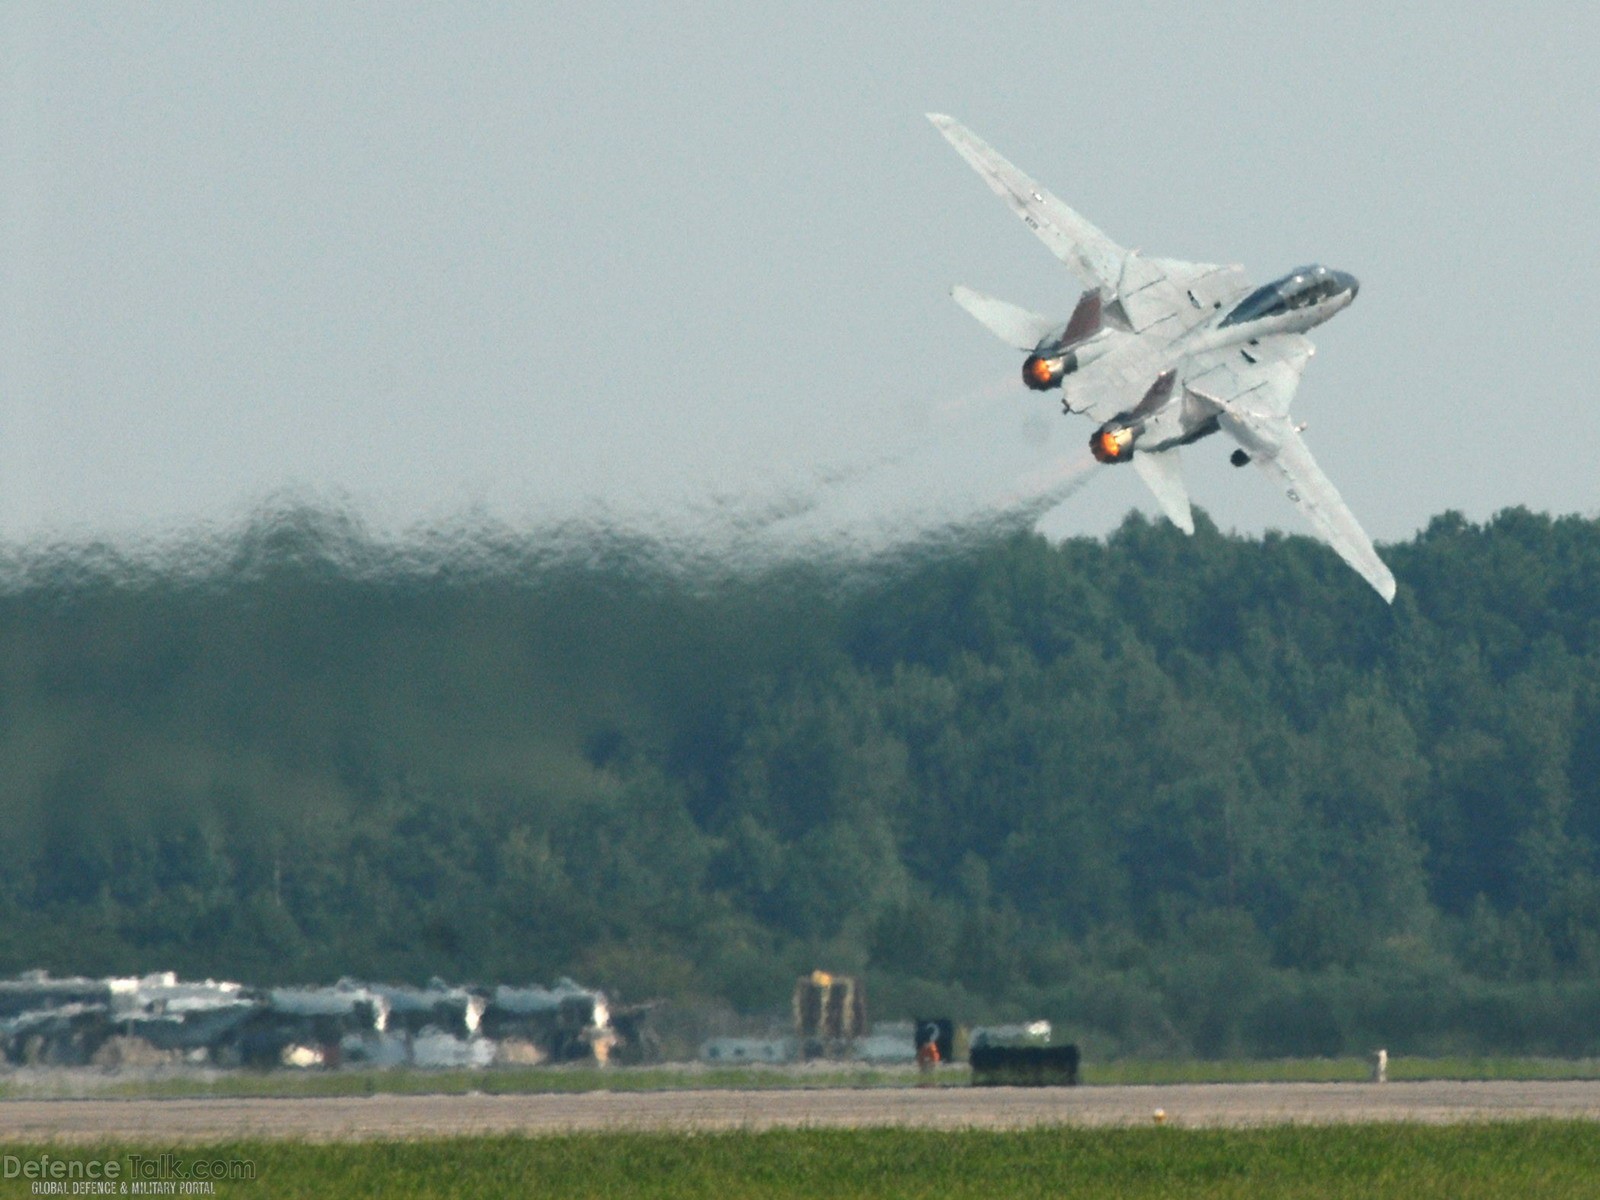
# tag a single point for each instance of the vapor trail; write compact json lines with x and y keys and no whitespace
{"x":970,"y":475}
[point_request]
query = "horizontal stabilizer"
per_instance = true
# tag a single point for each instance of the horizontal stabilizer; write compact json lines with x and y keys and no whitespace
{"x":1016,"y":327}
{"x":1162,"y":472}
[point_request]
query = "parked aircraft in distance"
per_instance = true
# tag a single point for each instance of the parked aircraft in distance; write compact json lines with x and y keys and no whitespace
{"x":1162,"y":353}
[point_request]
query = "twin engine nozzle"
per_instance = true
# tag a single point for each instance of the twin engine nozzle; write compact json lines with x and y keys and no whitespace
{"x":1113,"y":441}
{"x":1079,"y":342}
{"x":1047,"y":366}
{"x":1041,"y":373}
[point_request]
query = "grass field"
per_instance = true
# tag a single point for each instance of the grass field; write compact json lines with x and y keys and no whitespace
{"x":350,"y":1082}
{"x":1335,"y":1070}
{"x":1522,"y":1159}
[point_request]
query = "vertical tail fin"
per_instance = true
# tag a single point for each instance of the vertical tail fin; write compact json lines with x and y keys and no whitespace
{"x":1086,"y":319}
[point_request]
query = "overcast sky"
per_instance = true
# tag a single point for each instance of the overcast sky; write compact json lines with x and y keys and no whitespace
{"x":664,"y":260}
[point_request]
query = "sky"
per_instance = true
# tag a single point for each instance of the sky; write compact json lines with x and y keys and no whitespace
{"x":687,"y":265}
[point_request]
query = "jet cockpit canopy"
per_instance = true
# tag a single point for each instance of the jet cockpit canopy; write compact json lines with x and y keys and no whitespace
{"x":1300,"y":288}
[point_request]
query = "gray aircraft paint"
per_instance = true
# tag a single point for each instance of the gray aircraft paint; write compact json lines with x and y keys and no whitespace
{"x":1191,"y":348}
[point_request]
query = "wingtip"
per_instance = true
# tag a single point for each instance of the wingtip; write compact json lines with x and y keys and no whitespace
{"x":940,"y":119}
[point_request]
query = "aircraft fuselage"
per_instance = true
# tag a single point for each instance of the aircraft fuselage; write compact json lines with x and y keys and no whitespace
{"x":1162,"y":352}
{"x":1300,"y":301}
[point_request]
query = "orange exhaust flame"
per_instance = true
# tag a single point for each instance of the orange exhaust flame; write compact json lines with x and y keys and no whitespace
{"x":1040,"y":373}
{"x":1112,"y":444}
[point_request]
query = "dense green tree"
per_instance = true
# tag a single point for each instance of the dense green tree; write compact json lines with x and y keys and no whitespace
{"x":1199,"y":795}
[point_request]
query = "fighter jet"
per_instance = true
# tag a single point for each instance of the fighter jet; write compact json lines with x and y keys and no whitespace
{"x":1162,"y":353}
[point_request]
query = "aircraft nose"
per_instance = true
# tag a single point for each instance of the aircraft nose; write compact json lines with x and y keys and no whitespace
{"x":1350,"y":282}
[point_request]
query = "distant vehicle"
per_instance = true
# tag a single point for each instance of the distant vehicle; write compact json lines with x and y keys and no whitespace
{"x":1163,"y":353}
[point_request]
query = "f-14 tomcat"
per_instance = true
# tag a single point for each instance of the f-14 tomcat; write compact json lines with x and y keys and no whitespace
{"x":1163,"y":353}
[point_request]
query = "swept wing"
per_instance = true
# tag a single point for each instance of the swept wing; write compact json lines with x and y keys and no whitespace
{"x":1162,"y":301}
{"x":1252,"y":386}
{"x":1094,"y":257}
{"x":1160,"y":298}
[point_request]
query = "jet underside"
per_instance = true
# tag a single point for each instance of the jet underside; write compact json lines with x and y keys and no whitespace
{"x":1162,"y":353}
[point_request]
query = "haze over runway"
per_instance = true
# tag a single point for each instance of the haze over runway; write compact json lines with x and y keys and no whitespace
{"x":678,"y":266}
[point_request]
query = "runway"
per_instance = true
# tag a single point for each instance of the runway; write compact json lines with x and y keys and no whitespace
{"x":164,"y":1122}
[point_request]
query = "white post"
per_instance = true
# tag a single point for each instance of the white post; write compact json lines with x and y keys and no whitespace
{"x":1380,"y":1066}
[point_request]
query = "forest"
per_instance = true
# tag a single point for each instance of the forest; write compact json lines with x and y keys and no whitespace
{"x":1182,"y":796}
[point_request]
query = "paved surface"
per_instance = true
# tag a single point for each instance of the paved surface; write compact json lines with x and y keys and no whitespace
{"x":364,"y":1117}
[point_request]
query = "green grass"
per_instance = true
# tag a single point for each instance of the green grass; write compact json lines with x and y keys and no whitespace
{"x":1334,"y":1070}
{"x":1521,"y":1159}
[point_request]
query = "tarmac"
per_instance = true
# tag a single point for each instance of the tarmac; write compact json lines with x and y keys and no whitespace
{"x":359,"y":1118}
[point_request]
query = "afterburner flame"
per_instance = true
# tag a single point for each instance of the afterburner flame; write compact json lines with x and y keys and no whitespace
{"x":1112,"y":443}
{"x":1041,"y":373}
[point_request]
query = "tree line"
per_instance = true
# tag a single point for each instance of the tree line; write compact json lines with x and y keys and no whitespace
{"x":1180,"y":795}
